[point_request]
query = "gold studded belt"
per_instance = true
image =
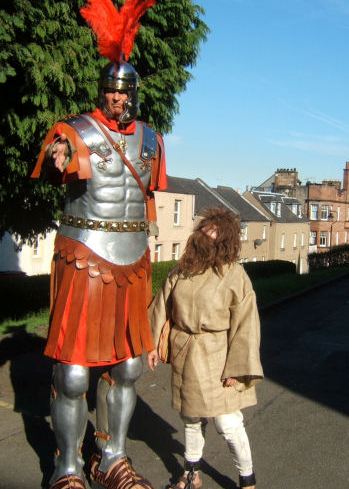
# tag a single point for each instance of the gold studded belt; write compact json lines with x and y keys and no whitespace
{"x":108,"y":226}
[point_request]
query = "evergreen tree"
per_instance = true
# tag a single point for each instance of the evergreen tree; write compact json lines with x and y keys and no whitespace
{"x":49,"y":67}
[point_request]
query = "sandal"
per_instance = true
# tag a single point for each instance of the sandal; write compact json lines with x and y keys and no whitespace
{"x":121,"y":475}
{"x":191,"y":478}
{"x":69,"y":482}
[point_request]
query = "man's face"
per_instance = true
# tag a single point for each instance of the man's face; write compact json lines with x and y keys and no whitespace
{"x":115,"y":102}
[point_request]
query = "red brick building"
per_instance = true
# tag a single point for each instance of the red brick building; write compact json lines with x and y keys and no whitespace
{"x":327,"y":206}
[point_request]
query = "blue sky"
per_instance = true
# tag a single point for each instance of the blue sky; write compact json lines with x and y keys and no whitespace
{"x":270,"y":90}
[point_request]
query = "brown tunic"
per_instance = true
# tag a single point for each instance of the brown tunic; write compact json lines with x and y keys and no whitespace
{"x":216,"y":335}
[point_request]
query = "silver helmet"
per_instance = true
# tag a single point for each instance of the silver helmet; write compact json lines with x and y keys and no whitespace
{"x":120,"y":76}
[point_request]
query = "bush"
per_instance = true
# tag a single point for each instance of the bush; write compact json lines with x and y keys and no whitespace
{"x":22,"y":294}
{"x":336,"y":256}
{"x":160,"y":272}
{"x":261,"y":269}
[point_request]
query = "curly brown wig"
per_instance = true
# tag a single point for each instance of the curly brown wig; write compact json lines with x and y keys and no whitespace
{"x":203,"y":252}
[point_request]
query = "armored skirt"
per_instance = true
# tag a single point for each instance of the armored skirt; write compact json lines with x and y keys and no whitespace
{"x":215,"y":335}
{"x":92,"y":321}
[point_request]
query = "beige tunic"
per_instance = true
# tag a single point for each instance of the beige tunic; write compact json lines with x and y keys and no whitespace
{"x":215,"y":335}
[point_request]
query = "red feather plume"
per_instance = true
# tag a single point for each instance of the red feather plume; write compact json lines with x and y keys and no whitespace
{"x":115,"y":29}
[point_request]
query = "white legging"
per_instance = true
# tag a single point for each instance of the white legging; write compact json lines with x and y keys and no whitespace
{"x":231,"y":427}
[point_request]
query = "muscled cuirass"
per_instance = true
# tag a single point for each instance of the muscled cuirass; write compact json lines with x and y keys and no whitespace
{"x":112,"y":196}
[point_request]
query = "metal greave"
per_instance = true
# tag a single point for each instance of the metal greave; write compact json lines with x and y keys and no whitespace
{"x":115,"y":407}
{"x":69,"y":417}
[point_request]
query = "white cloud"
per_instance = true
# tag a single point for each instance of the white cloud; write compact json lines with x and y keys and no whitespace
{"x":326,"y":145}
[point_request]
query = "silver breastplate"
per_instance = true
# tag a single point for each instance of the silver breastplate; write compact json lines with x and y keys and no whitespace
{"x":112,"y":194}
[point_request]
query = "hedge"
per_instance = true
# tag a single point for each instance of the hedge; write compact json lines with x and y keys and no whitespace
{"x":336,"y":256}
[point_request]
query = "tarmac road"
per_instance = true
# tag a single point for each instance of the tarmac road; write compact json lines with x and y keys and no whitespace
{"x":299,"y":430}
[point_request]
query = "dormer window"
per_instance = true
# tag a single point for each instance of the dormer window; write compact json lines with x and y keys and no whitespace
{"x":273,"y":207}
{"x":278,"y":209}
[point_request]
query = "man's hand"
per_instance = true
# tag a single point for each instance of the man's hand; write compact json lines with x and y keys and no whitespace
{"x":60,"y":152}
{"x":153,"y":359}
{"x":229,"y":382}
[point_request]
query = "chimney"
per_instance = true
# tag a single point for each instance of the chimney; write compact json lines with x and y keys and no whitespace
{"x":346,"y":177}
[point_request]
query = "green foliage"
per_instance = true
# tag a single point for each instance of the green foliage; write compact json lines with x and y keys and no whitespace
{"x":49,"y":68}
{"x":336,"y":256}
{"x":160,"y":271}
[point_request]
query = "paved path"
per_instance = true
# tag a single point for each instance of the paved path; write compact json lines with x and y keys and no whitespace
{"x":299,"y":431}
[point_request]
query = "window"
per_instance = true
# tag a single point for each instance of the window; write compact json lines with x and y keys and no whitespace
{"x":157,"y":254}
{"x":323,"y":239}
{"x":273,"y":207}
{"x":346,"y":237}
{"x":313,"y":238}
{"x":337,"y":238}
{"x":314,"y":210}
{"x":282,"y":242}
{"x":295,"y":240}
{"x":264,"y":233}
{"x":325,"y":212}
{"x":302,"y":239}
{"x":294,"y":209}
{"x":254,"y":258}
{"x":278,"y":209}
{"x":175,"y":251}
{"x":338,"y":213}
{"x":244,"y":232}
{"x":35,"y":247}
{"x":177,"y":213}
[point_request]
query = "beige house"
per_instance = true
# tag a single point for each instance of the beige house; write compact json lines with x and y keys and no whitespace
{"x":175,"y":217}
{"x":179,"y":207}
{"x":31,"y":260}
{"x":289,"y":231}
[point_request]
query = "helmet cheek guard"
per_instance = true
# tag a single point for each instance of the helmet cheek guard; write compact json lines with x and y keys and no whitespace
{"x":123,"y":77}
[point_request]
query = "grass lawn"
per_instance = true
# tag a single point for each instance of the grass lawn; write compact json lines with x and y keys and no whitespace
{"x":25,"y":300}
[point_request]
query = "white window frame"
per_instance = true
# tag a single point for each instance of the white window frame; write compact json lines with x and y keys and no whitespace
{"x":282,"y":241}
{"x":337,"y":238}
{"x":273,"y":207}
{"x":314,"y":212}
{"x":264,"y":232}
{"x":325,"y":212}
{"x":323,"y":239}
{"x":36,"y":248}
{"x":294,"y":209}
{"x":295,"y":240}
{"x":244,"y":233}
{"x":157,"y":252}
{"x":338,"y":213}
{"x":313,"y":237}
{"x":278,"y":209}
{"x":346,"y":237}
{"x":175,"y":251}
{"x":177,"y":212}
{"x":302,"y":239}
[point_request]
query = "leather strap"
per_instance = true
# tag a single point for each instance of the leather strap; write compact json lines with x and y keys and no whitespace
{"x":126,"y":162}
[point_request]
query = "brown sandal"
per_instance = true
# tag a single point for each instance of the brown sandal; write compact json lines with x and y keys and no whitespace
{"x":69,"y":482}
{"x":190,"y":481}
{"x":121,"y":475}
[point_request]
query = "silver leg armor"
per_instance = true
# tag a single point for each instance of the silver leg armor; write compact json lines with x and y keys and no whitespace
{"x":69,"y":417}
{"x":115,"y":406}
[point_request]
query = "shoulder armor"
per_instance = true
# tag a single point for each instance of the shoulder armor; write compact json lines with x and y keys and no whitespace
{"x":149,"y":143}
{"x":90,"y":135}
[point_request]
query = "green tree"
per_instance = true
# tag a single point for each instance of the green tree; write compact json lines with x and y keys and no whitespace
{"x":49,"y":67}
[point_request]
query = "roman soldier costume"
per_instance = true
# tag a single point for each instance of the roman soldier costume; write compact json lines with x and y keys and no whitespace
{"x":101,"y":276}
